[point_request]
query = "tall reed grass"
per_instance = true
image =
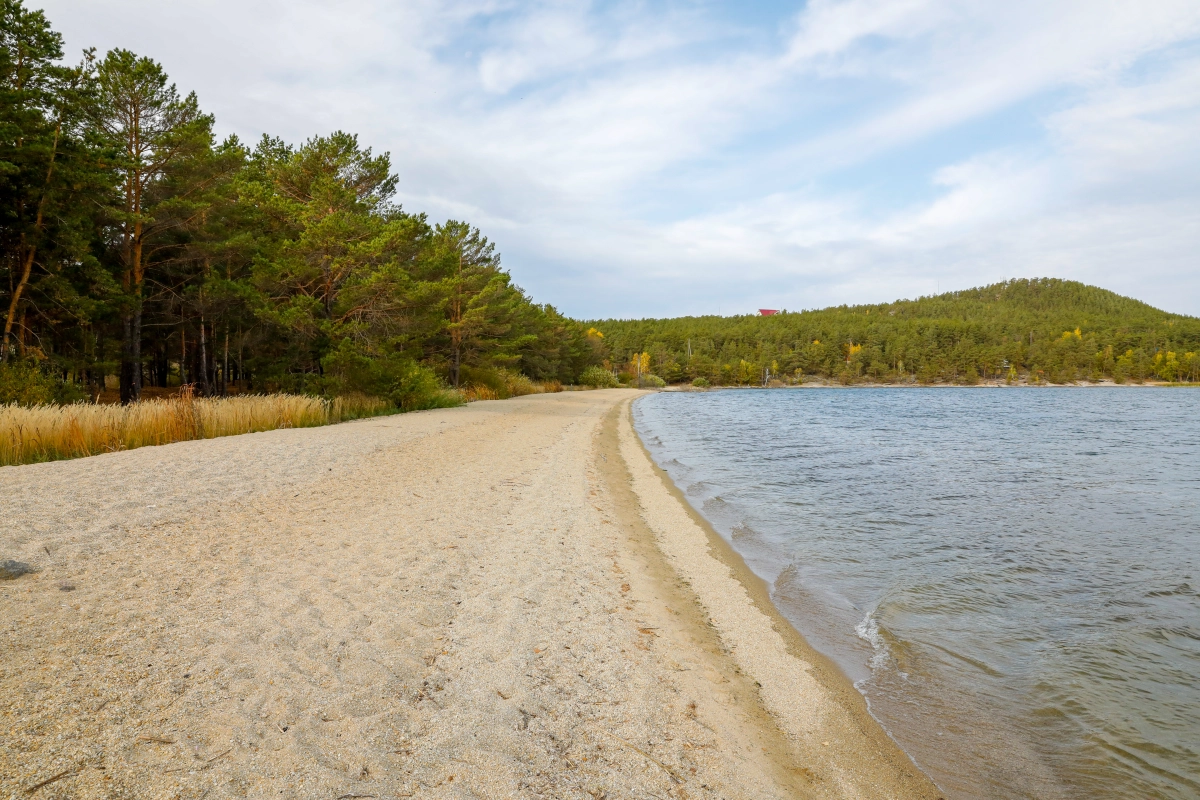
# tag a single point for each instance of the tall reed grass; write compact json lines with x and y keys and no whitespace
{"x":49,"y":433}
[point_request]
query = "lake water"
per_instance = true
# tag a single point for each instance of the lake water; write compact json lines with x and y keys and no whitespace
{"x":1010,"y":576}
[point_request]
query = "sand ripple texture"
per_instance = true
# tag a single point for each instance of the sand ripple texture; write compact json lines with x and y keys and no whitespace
{"x":457,"y":603}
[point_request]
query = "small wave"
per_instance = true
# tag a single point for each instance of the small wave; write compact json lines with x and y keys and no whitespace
{"x":868,"y":630}
{"x":1184,"y":589}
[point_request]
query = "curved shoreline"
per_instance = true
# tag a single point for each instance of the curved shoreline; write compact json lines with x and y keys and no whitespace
{"x":814,"y":703}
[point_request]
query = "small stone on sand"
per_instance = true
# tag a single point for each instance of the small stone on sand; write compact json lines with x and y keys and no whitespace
{"x":11,"y":570}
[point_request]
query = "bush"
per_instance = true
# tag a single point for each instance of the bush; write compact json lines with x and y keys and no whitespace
{"x":516,"y":384}
{"x":401,"y":381}
{"x":417,"y":388}
{"x":599,"y":378}
{"x":649,"y":381}
{"x":485,"y":384}
{"x":498,"y":384}
{"x":701,"y":383}
{"x":23,"y":384}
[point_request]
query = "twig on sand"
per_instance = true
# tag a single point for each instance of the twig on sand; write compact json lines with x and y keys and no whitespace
{"x":218,"y":755}
{"x":348,"y":796}
{"x":155,"y":739}
{"x":645,"y":755}
{"x":50,"y":780}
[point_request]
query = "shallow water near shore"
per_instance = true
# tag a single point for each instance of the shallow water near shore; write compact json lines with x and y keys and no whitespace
{"x":1010,"y":576}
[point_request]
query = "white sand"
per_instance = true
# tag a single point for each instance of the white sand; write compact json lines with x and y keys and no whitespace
{"x":453,"y":603}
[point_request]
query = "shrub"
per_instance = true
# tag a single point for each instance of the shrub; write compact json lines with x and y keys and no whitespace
{"x":417,"y":388}
{"x":599,"y":378}
{"x":24,"y":384}
{"x":473,"y":380}
{"x":701,"y":383}
{"x":649,"y":381}
{"x":499,"y":384}
{"x":401,"y":381}
{"x":516,"y":384}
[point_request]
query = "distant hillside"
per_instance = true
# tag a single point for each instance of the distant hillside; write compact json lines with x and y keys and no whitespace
{"x":1040,"y":329}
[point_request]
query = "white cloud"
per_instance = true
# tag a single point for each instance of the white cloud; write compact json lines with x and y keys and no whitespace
{"x":828,"y":28}
{"x":1144,"y":134}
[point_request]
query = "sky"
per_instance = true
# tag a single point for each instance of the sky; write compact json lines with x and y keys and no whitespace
{"x":650,"y":159}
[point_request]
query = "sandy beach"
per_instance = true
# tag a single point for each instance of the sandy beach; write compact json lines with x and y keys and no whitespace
{"x":502,"y":600}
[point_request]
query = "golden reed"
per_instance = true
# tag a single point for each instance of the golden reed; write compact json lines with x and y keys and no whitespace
{"x":50,"y":433}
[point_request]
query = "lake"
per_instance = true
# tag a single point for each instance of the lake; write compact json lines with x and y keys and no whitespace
{"x":1010,"y":576}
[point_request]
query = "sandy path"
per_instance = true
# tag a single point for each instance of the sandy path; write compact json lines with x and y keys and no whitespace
{"x":453,"y":603}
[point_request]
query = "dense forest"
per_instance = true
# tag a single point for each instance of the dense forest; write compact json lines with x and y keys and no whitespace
{"x":138,"y":251}
{"x":1040,"y":330}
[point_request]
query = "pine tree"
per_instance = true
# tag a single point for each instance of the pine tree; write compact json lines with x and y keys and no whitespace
{"x":149,"y":130}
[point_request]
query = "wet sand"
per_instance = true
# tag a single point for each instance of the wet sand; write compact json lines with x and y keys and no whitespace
{"x":506,"y":599}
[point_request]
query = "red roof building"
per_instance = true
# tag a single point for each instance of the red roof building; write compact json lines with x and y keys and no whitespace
{"x":768,"y":312}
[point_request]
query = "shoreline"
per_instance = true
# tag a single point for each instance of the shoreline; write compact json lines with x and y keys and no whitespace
{"x":475,"y":599}
{"x":877,"y":757}
{"x":817,"y":384}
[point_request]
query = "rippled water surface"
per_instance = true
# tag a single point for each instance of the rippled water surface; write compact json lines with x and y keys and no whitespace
{"x":1010,"y":576}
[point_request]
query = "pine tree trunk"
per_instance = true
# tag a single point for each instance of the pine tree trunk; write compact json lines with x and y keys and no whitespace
{"x":203,"y":374}
{"x":15,"y":302}
{"x":127,"y":358}
{"x":136,"y":352}
{"x":21,"y":333}
{"x":28,"y":257}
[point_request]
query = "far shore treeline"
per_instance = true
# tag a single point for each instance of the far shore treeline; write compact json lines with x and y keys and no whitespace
{"x":140,"y":254}
{"x":138,"y":250}
{"x":1036,"y":331}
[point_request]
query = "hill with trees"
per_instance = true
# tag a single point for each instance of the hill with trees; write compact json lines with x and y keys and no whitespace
{"x":1020,"y":330}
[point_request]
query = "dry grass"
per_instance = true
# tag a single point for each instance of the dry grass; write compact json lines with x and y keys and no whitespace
{"x":49,"y":433}
{"x":517,"y":384}
{"x":509,"y":384}
{"x":357,"y":406}
{"x":472,"y":393}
